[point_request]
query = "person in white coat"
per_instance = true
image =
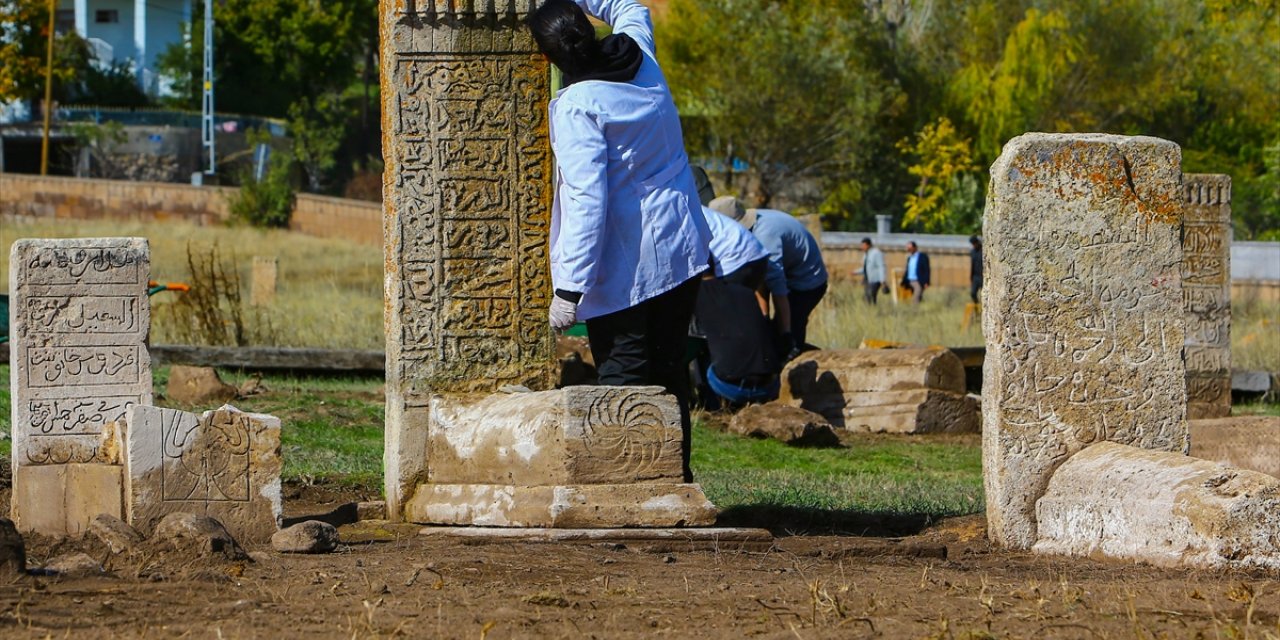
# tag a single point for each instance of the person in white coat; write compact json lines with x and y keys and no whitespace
{"x":628,"y":241}
{"x":872,"y":271}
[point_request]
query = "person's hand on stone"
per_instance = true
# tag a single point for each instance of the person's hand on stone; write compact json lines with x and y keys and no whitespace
{"x":562,"y":314}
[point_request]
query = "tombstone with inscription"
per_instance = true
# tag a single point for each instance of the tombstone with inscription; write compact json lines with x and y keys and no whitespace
{"x":223,"y":463}
{"x":1206,"y":291}
{"x":78,"y":361}
{"x":469,"y":175}
{"x":1082,"y":311}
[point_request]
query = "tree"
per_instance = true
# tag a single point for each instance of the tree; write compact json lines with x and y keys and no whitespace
{"x":945,"y":199}
{"x":787,"y":86}
{"x":24,"y":37}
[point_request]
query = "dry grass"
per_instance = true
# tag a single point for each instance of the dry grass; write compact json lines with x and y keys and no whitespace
{"x":329,"y":292}
{"x":843,"y":320}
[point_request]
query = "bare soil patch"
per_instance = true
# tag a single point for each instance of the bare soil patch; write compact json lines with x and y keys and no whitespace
{"x":945,"y":582}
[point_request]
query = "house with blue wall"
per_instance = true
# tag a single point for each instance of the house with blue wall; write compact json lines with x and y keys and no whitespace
{"x":128,"y":30}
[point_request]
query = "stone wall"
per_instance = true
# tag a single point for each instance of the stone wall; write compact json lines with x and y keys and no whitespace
{"x":51,"y":197}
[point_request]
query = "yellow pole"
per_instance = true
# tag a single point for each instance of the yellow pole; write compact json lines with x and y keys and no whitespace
{"x":48,"y":94}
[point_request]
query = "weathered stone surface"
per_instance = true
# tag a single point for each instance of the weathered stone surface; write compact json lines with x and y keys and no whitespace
{"x":848,"y":371}
{"x":78,"y":359}
{"x":467,"y":214}
{"x":1244,"y":442}
{"x":1206,"y":292}
{"x":371,"y":510}
{"x":197,"y":534}
{"x":63,"y":499}
{"x":197,"y":385}
{"x":13,"y":550}
{"x":913,"y":411}
{"x":571,"y":506}
{"x":575,"y":435}
{"x":1119,"y":501}
{"x":223,"y":463}
{"x":74,"y":565}
{"x":311,"y":536}
{"x":115,"y":533}
{"x":790,"y":425}
{"x":1082,"y":311}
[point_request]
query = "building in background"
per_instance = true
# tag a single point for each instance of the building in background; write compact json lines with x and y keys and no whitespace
{"x":136,"y":31}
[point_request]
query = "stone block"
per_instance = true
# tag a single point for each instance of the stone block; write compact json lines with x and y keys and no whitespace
{"x":847,"y":371}
{"x":64,"y":499}
{"x":223,"y":463}
{"x":914,"y":411}
{"x":1206,"y":288}
{"x":1083,"y":311}
{"x":1118,"y":501}
{"x":562,"y":506}
{"x":575,"y":435}
{"x":1245,"y":442}
{"x":787,"y":424}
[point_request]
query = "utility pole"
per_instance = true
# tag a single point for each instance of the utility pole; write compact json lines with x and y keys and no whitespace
{"x":48,"y":94}
{"x":206,"y":116}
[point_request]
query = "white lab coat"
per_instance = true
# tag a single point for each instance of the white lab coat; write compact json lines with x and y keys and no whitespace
{"x":732,"y":245}
{"x":625,"y":226}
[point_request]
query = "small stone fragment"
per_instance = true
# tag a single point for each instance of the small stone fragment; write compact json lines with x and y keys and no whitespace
{"x":114,"y":532}
{"x":371,"y":510}
{"x":197,"y":386}
{"x":311,"y":536}
{"x":74,"y":565}
{"x":200,"y":534}
{"x":791,"y":425}
{"x":13,"y":552}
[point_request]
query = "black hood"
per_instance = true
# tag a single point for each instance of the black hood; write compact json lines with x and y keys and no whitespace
{"x":619,"y":61}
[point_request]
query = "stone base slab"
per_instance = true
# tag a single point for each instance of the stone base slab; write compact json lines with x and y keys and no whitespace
{"x":1167,"y":509}
{"x":561,"y":506}
{"x":914,"y":411}
{"x":62,"y":499}
{"x":653,"y":540}
{"x":1247,"y":442}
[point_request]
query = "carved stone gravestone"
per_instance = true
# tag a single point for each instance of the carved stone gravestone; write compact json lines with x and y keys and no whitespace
{"x":223,"y":463}
{"x":1206,"y":290}
{"x":78,"y":361}
{"x":468,"y":198}
{"x":1082,"y":311}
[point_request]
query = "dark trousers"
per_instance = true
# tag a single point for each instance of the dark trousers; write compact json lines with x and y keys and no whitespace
{"x":645,"y":345}
{"x":750,"y":275}
{"x":802,"y":304}
{"x":975,"y":287}
{"x":871,"y":291}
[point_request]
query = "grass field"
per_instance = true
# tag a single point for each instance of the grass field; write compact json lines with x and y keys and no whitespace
{"x":330,"y":294}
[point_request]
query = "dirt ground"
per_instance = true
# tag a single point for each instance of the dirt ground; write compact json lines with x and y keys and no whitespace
{"x":387,"y":581}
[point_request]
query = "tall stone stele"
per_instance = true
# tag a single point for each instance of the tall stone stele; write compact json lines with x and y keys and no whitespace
{"x":79,"y":319}
{"x":468,"y":186}
{"x":1082,"y":311}
{"x":1206,"y":289}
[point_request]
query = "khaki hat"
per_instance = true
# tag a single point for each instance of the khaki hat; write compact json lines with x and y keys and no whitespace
{"x":730,"y":207}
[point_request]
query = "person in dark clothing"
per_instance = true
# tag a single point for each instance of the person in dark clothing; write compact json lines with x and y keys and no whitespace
{"x":916,"y":277}
{"x":744,"y":357}
{"x":975,"y":268}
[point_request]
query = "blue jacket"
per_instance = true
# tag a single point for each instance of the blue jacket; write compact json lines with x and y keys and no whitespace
{"x":793,"y":252}
{"x":625,"y":226}
{"x":922,"y":270}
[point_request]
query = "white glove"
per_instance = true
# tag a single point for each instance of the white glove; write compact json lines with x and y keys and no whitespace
{"x":562,"y":314}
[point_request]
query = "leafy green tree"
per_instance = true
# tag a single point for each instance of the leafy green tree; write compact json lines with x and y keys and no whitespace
{"x":943,"y":201}
{"x":24,"y":38}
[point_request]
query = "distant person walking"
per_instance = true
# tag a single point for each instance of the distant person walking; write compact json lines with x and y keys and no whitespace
{"x":975,"y":268}
{"x":797,"y":278}
{"x":872,"y":271}
{"x":917,"y":274}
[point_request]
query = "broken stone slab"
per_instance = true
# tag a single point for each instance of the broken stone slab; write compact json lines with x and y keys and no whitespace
{"x":197,"y":385}
{"x":223,"y":463}
{"x":848,"y":371}
{"x":13,"y":550}
{"x":725,"y":539}
{"x":115,"y":533}
{"x":1245,"y":442}
{"x":199,"y":534}
{"x":74,"y":565}
{"x":311,"y":536}
{"x":1082,"y":311}
{"x":63,"y":499}
{"x":914,"y":411}
{"x":787,"y":424}
{"x":575,"y":435}
{"x":564,"y":506}
{"x":1117,"y":501}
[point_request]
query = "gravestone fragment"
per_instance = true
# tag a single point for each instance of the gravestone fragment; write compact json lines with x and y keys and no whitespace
{"x":78,"y":361}
{"x":311,"y":536}
{"x":1206,"y":292}
{"x":223,"y":463}
{"x":467,"y":214}
{"x":790,"y":425}
{"x":198,"y":534}
{"x":1082,"y":311}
